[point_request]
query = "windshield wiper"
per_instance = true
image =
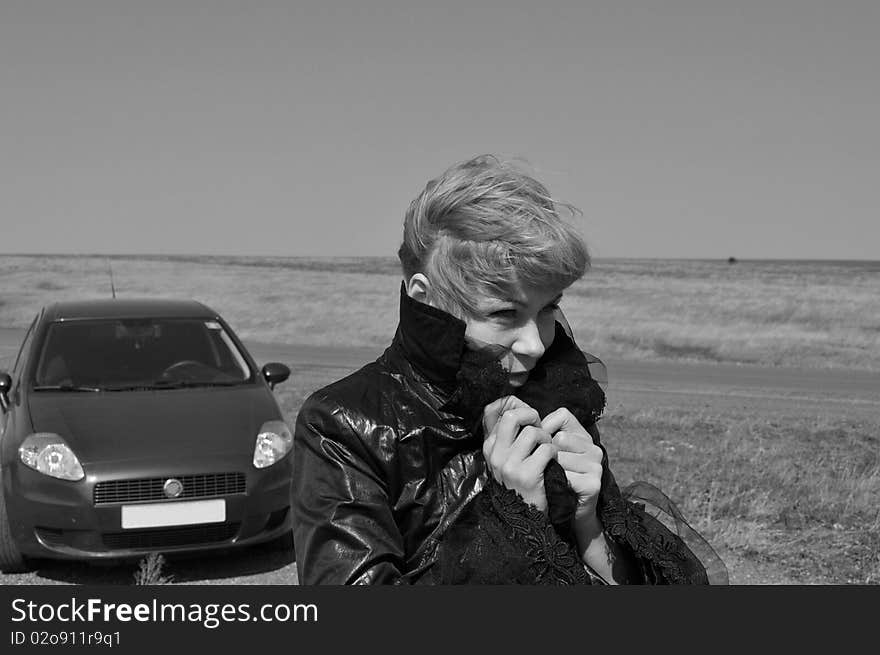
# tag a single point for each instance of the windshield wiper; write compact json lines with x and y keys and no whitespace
{"x":171,"y":384}
{"x":130,"y":387}
{"x":182,"y":384}
{"x":65,"y":387}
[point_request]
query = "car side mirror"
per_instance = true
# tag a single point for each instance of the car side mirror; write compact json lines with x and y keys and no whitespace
{"x":275,"y":373}
{"x":5,"y":386}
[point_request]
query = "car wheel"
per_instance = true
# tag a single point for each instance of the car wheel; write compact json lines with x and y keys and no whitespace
{"x":11,"y":559}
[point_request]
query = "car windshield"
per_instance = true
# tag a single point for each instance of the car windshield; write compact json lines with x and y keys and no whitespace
{"x":131,"y":354}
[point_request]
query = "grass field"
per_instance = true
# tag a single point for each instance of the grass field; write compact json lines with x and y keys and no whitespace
{"x":783,"y":498}
{"x":814,"y":314}
{"x":795,"y":495}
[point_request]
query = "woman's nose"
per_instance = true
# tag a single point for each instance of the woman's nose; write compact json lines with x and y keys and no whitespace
{"x":528,"y":341}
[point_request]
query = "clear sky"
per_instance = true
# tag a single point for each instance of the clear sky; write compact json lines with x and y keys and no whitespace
{"x":681,"y":129}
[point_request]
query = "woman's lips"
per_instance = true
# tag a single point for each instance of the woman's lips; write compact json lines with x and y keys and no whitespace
{"x":518,"y":379}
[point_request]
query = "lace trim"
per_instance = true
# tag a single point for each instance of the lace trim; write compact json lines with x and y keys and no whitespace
{"x":552,"y":560}
{"x":661,"y":555}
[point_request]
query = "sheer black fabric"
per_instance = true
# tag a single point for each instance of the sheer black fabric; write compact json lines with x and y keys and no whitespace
{"x":655,"y":504}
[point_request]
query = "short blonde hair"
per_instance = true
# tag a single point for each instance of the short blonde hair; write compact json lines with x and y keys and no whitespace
{"x":485,"y":226}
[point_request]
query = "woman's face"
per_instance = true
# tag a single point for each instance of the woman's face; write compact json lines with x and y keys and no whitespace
{"x":522,"y":322}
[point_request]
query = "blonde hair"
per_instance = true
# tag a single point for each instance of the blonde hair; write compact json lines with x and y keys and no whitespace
{"x":484,"y":226}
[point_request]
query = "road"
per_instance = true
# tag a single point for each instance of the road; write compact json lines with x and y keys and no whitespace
{"x":759,"y":390}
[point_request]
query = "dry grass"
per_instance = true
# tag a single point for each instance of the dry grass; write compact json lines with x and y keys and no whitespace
{"x":798,"y":493}
{"x":262,"y":300}
{"x":773,"y":313}
{"x":150,"y":571}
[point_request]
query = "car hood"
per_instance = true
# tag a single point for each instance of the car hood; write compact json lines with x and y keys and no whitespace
{"x":111,"y":426}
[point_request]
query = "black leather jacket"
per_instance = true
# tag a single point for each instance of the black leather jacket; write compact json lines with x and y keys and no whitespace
{"x":379,"y":467}
{"x":386,"y":461}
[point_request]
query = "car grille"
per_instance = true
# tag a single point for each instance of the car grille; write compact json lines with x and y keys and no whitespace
{"x":147,"y":489}
{"x":170,"y":537}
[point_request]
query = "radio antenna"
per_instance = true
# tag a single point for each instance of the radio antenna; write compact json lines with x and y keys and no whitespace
{"x":112,"y":286}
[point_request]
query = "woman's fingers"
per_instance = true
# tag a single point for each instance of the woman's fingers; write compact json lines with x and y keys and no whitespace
{"x":526,"y":476}
{"x":501,"y":454}
{"x":511,"y":422}
{"x":587,"y":487}
{"x":526,"y":442}
{"x":584,"y":473}
{"x":571,"y":441}
{"x":535,"y":463}
{"x":488,"y":446}
{"x":493,"y":411}
{"x":568,"y":433}
{"x":576,"y":442}
{"x":525,"y":468}
{"x":562,"y":419}
{"x":580,"y":462}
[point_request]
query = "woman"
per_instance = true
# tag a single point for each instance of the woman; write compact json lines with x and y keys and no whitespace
{"x":468,"y":452}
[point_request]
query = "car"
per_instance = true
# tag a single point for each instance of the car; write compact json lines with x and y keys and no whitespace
{"x":136,"y":426}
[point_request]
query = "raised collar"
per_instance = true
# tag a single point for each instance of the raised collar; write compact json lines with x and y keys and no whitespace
{"x":431,"y":343}
{"x":430,"y":340}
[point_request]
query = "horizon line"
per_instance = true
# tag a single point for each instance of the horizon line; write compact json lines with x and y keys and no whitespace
{"x":728,"y":259}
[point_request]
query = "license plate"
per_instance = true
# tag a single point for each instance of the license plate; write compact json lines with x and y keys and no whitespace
{"x":187,"y":512}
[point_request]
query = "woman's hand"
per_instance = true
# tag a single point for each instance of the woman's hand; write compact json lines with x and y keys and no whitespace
{"x":517,"y":448}
{"x":582,"y":461}
{"x":580,"y":457}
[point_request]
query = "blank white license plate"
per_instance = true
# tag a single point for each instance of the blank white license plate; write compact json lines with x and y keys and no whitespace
{"x":185,"y":512}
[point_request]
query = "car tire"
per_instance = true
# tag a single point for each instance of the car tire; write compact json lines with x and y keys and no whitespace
{"x":11,"y":559}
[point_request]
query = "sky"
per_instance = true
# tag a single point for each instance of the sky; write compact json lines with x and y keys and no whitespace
{"x":680,"y":129}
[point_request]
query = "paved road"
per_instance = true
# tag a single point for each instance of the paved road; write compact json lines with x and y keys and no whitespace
{"x":762,"y":390}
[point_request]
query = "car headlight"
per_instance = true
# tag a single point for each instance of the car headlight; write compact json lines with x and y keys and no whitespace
{"x":273,"y":442}
{"x":49,"y":454}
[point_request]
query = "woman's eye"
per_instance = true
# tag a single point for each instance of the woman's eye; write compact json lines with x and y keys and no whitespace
{"x":504,"y":314}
